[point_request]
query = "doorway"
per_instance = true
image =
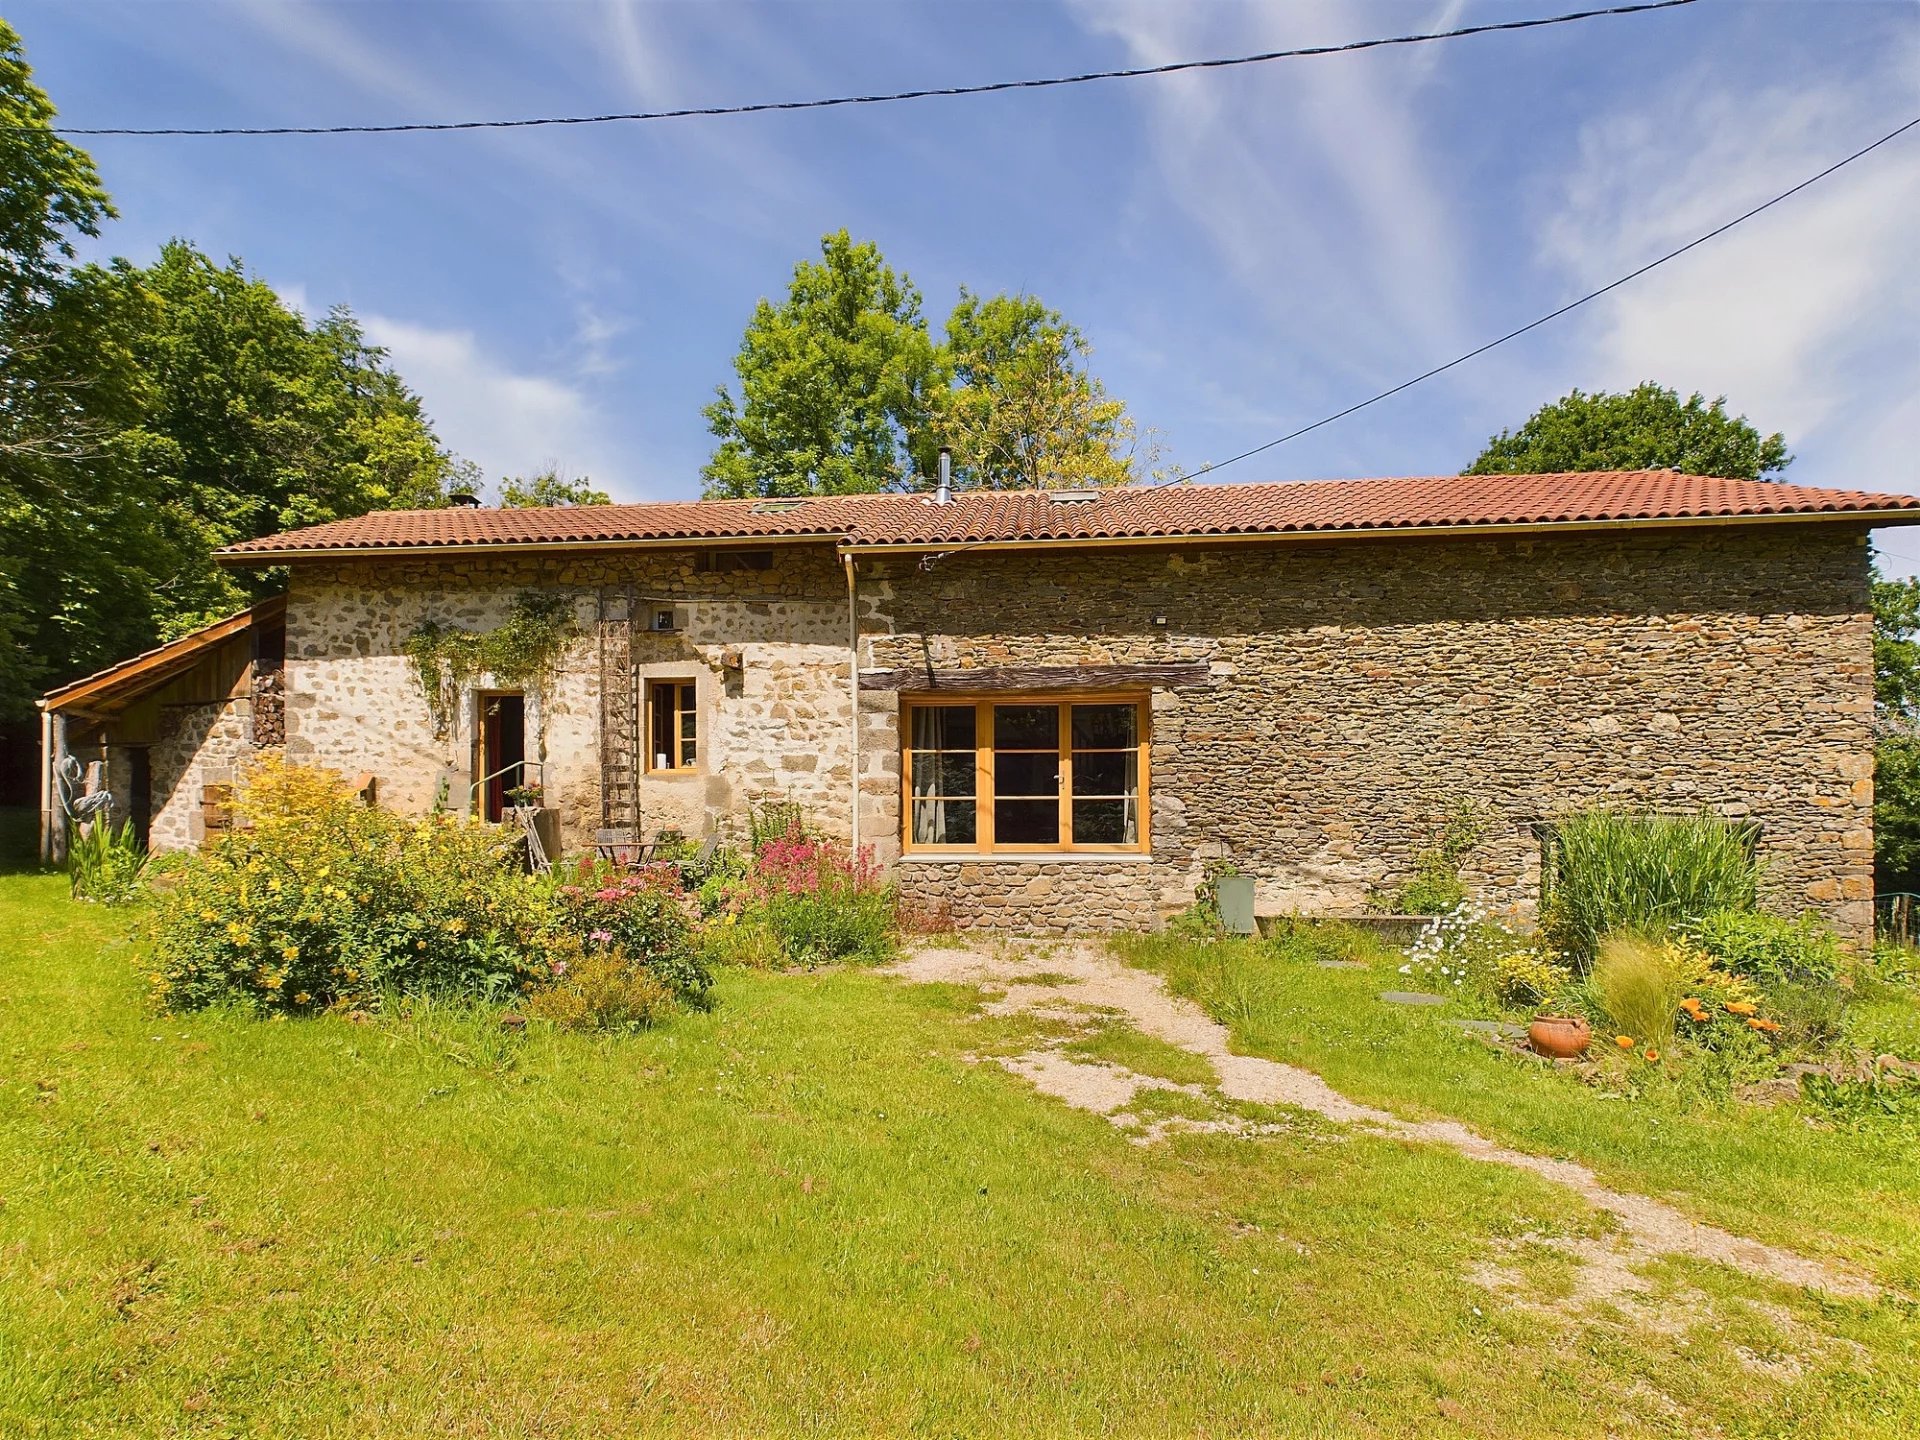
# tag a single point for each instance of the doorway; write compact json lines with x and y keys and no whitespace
{"x":140,"y":801}
{"x":503,"y":748}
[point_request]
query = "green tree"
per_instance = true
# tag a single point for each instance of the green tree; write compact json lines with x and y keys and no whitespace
{"x":49,"y":189}
{"x":1896,"y":695}
{"x":1024,"y":412}
{"x":837,"y":384}
{"x":549,"y":487}
{"x":1648,"y":428}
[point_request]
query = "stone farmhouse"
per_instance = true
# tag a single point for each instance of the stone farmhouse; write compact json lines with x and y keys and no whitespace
{"x":1051,"y":710}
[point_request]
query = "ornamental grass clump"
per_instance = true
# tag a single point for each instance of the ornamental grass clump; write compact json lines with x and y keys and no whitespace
{"x":1639,"y":987}
{"x":1614,"y":871}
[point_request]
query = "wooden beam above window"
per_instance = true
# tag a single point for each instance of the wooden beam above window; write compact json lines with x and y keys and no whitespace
{"x":1172,"y":675}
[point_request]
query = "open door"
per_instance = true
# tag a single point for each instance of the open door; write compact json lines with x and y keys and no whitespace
{"x":503,"y":748}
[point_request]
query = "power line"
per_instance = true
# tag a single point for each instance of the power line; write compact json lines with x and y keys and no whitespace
{"x":767,"y":107}
{"x":1556,"y":314}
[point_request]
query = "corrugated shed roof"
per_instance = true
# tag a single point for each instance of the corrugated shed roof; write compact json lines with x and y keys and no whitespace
{"x":1194,"y":511}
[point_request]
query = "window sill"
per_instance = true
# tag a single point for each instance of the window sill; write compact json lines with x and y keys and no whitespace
{"x":1025,"y":857}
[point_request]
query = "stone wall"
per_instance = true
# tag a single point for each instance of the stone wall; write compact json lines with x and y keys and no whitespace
{"x":772,"y":726}
{"x":1361,"y":687}
{"x":1357,"y":689}
{"x":196,"y":746}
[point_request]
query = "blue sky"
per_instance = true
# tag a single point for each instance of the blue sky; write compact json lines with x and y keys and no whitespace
{"x":1246,"y":250}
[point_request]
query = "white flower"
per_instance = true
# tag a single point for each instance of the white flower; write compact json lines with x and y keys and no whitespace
{"x":1406,"y":969}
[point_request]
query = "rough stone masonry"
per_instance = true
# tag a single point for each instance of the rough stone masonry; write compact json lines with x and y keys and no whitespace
{"x":1355,"y":690}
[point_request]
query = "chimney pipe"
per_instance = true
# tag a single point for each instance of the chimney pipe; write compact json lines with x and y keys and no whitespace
{"x":943,"y":492}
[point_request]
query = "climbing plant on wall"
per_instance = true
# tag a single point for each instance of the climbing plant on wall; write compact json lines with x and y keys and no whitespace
{"x":522,"y":654}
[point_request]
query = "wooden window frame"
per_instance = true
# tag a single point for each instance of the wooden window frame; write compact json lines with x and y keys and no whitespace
{"x":681,"y":687}
{"x":983,"y":703}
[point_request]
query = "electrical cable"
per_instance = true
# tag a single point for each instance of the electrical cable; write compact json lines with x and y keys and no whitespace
{"x":1674,"y":254}
{"x":941,"y":92}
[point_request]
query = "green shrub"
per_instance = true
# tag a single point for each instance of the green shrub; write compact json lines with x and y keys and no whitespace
{"x":1465,"y":950}
{"x":105,"y":863}
{"x":1639,"y":988}
{"x":604,"y":989}
{"x":1436,"y":886}
{"x":1769,"y":949}
{"x":1811,"y":1017}
{"x":1617,"y":871}
{"x":643,"y":915}
{"x":824,"y":904}
{"x":315,"y":899}
{"x":751,"y":944}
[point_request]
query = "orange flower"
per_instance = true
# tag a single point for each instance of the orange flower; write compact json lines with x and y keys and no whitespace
{"x":1692,"y":1002}
{"x":1759,"y":1024}
{"x":1700,"y":1017}
{"x":1625,"y":1042}
{"x":1653,"y":1055}
{"x":1741,"y":1007}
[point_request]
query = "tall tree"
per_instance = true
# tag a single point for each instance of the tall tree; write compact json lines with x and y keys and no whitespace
{"x":837,"y":383}
{"x":1896,"y":696}
{"x":550,"y":487}
{"x":1648,"y":428}
{"x":1025,"y":413}
{"x":61,"y":377}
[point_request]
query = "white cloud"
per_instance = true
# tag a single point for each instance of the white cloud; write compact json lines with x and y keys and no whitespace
{"x":1805,"y":317}
{"x":508,"y":422}
{"x":1314,"y":190}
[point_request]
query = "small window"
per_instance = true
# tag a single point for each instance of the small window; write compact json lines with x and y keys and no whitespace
{"x":673,"y":727}
{"x":729,"y":562}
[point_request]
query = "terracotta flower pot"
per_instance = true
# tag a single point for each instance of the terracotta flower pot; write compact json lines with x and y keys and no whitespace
{"x":1559,"y":1037}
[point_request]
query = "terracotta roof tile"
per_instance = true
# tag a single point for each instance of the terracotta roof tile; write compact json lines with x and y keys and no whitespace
{"x":1176,"y":512}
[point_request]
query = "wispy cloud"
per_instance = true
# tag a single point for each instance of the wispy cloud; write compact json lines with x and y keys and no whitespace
{"x":508,"y":421}
{"x":1311,"y":191}
{"x":1805,"y":317}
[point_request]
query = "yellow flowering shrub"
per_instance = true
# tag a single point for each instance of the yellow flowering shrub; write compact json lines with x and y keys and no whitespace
{"x":315,"y":899}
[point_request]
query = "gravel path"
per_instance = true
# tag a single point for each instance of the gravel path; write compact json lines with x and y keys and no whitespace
{"x":1078,"y":981}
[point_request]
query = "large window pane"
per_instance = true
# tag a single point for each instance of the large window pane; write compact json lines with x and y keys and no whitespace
{"x":1105,"y":822}
{"x":1025,"y":822}
{"x":1104,"y":727}
{"x":1022,"y":773}
{"x":938,"y":774}
{"x":944,"y":822}
{"x":1026,"y":727}
{"x":943,"y":727}
{"x":1105,"y":772}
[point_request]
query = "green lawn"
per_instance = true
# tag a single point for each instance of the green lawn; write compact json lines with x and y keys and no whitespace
{"x":1768,"y":1174}
{"x":806,"y":1213}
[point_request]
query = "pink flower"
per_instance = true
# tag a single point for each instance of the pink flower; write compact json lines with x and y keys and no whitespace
{"x":559,"y":967}
{"x":601,"y":937}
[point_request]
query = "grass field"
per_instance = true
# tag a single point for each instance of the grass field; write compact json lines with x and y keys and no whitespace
{"x":813,"y":1212}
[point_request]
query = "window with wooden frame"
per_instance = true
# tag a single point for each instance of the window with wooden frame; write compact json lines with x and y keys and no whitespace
{"x":1022,"y":773}
{"x":673,"y":726}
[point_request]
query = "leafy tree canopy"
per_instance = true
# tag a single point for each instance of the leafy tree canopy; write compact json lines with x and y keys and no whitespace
{"x":836,"y":384}
{"x":550,"y":487}
{"x":151,"y":414}
{"x":843,"y":389}
{"x":49,"y":189}
{"x":1896,"y":694}
{"x":1648,"y":428}
{"x":1023,"y":411}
